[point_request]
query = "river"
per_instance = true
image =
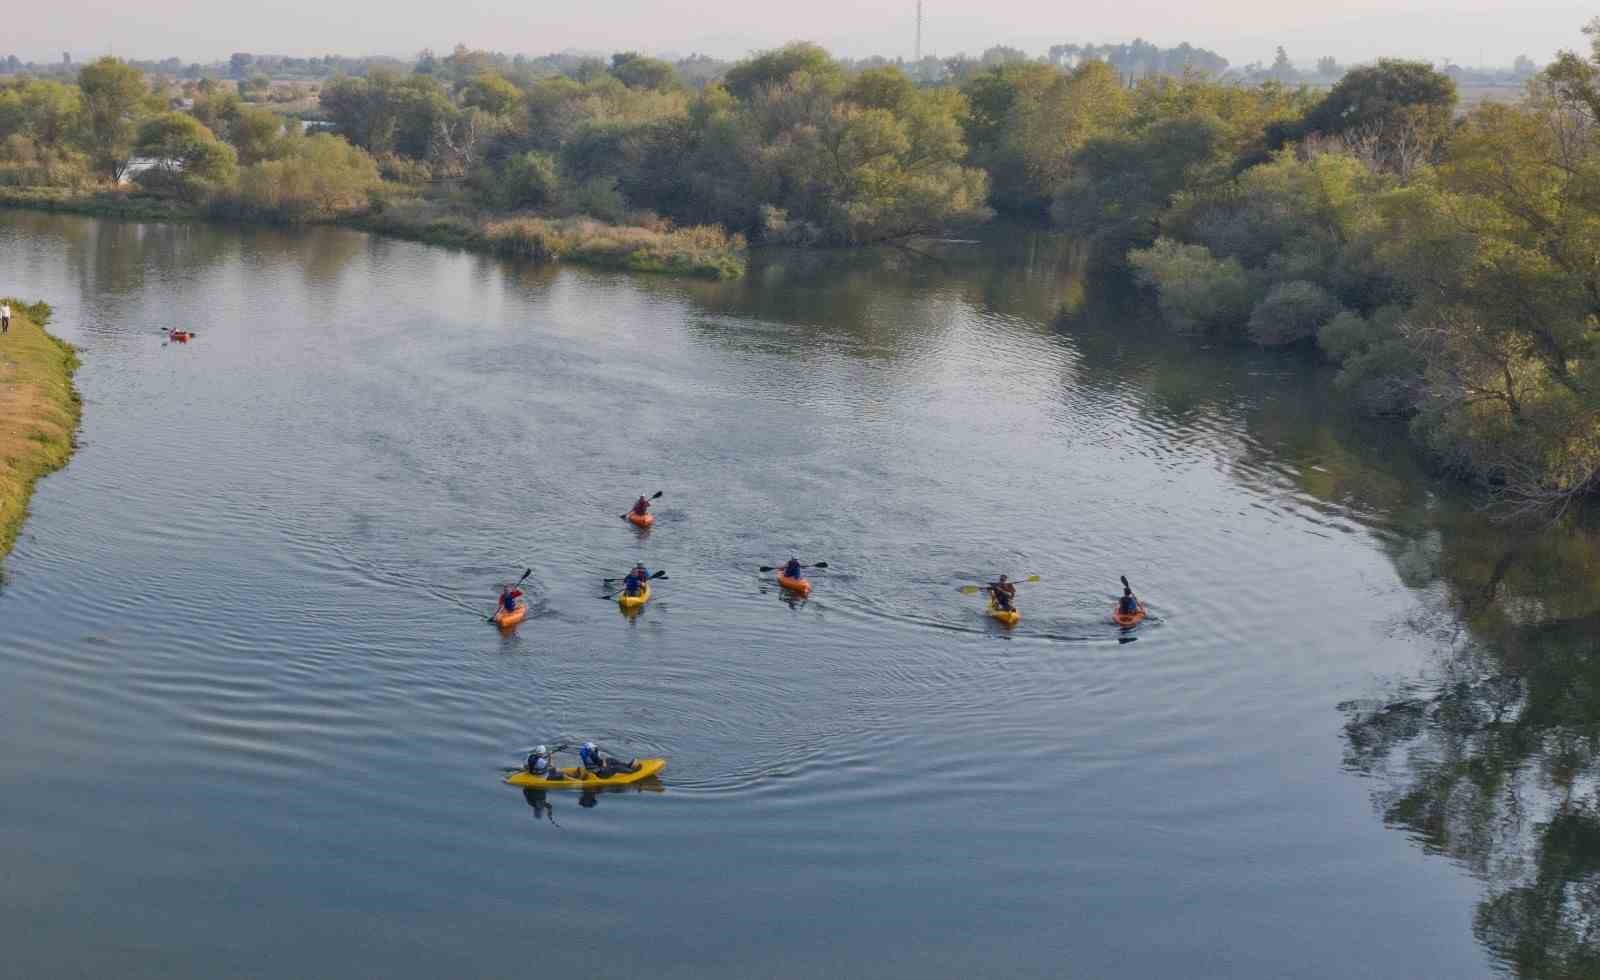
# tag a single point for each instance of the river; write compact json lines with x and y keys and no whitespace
{"x":254,"y":723}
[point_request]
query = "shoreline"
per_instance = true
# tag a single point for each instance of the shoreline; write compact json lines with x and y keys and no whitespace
{"x":700,"y":252}
{"x":39,"y":413}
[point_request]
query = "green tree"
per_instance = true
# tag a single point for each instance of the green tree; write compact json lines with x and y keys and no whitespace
{"x":186,"y":155}
{"x":636,"y":71}
{"x":881,"y":88}
{"x":491,"y":92}
{"x":256,"y":134}
{"x":317,"y":177}
{"x":115,"y":100}
{"x":1403,"y":107}
{"x":772,"y":68}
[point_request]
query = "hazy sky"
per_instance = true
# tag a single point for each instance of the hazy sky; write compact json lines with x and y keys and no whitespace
{"x":1240,"y":30}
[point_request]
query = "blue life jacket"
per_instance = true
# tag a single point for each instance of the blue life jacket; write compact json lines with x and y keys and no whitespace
{"x":631,"y":584}
{"x":590,"y":760}
{"x":509,"y":601}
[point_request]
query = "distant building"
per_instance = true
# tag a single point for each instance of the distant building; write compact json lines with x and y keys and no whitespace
{"x":66,"y":57}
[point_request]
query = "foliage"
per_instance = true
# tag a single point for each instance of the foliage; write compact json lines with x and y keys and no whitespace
{"x":1402,"y":106}
{"x":491,"y":92}
{"x":1028,"y":121}
{"x":115,"y":100}
{"x":638,"y":72}
{"x":1197,"y":290}
{"x":1292,"y":312}
{"x":785,"y":66}
{"x":185,"y":154}
{"x":316,"y":178}
{"x":1182,"y":136}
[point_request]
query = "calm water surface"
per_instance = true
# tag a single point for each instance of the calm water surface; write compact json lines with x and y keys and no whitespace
{"x":255,"y":725}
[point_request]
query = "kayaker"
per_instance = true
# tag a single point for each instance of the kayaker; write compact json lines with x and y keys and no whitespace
{"x":1128,"y":605}
{"x":541,"y":765}
{"x":792,"y":570}
{"x":601,"y":762}
{"x":509,"y":595}
{"x":1002,"y":592}
{"x":641,"y":506}
{"x":633,"y":584}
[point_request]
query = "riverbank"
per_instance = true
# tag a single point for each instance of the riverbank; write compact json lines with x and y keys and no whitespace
{"x":703,"y":252}
{"x":39,"y":412}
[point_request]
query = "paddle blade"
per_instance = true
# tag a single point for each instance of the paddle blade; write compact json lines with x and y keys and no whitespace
{"x":766,"y":568}
{"x":820,"y":564}
{"x":657,"y":495}
{"x":661,"y":574}
{"x":970,"y":589}
{"x":1031,"y":578}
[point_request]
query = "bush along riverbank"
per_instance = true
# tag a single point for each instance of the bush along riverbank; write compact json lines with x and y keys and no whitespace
{"x":39,"y":411}
{"x":647,"y":244}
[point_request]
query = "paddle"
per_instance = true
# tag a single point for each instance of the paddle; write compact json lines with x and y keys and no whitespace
{"x":660,"y":575}
{"x":653,"y":496}
{"x":525,"y":574}
{"x":970,"y":589}
{"x":770,"y":568}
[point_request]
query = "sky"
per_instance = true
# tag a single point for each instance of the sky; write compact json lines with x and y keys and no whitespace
{"x":1468,"y":32}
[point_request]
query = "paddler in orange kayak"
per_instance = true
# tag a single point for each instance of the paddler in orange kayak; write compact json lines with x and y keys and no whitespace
{"x":1128,"y":605}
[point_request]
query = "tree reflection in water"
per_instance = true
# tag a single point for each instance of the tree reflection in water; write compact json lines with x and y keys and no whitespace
{"x":1491,"y":758}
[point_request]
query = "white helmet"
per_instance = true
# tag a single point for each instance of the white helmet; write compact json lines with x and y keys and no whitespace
{"x":540,"y":750}
{"x":588,"y":746}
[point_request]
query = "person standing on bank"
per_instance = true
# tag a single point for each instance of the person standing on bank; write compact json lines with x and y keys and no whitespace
{"x":5,"y":317}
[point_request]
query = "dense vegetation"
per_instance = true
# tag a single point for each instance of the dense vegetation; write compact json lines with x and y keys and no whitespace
{"x":1445,"y":264}
{"x":1442,"y":260}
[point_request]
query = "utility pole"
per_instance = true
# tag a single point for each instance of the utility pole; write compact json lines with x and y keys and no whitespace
{"x":919,"y":30}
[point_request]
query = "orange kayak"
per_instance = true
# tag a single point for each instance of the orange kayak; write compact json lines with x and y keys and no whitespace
{"x":1127,"y":620}
{"x":797,"y":585}
{"x":641,"y":521}
{"x":505,"y":620}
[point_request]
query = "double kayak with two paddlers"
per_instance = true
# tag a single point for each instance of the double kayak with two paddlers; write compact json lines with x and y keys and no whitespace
{"x":576,"y":777}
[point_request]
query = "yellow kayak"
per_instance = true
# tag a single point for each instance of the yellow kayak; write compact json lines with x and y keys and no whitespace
{"x":577,"y":777}
{"x":1009,"y":617}
{"x":634,"y":601}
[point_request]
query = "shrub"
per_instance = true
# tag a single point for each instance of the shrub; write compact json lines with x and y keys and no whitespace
{"x":528,"y":180}
{"x":318,"y":177}
{"x":1291,"y":313}
{"x":1196,"y":290}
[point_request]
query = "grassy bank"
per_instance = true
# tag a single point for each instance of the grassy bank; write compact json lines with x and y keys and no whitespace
{"x":100,"y":202}
{"x":704,"y":252}
{"x":39,"y":412}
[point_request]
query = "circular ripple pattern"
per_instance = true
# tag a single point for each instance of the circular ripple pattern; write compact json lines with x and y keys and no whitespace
{"x":253,"y":714}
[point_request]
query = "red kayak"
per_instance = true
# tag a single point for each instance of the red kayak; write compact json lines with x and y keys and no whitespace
{"x":641,"y":521}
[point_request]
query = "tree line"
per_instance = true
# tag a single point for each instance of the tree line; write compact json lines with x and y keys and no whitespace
{"x":1443,"y":261}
